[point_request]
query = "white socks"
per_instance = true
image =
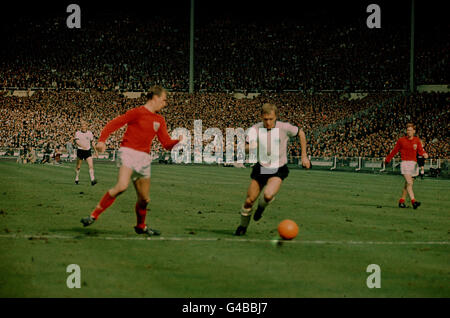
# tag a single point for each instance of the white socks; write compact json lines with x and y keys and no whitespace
{"x":246,"y":215}
{"x":91,"y":174}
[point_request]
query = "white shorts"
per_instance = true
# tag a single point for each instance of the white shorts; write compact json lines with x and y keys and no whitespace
{"x":138,"y":161}
{"x":409,"y":167}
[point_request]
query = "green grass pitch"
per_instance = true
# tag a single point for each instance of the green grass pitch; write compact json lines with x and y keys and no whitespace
{"x":347,"y":221}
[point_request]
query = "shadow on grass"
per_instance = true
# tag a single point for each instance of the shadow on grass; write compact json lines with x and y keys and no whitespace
{"x":378,"y":206}
{"x":80,"y":232}
{"x":227,"y":232}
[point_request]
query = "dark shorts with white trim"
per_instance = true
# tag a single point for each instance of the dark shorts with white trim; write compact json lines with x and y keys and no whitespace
{"x":262,"y":174}
{"x":83,"y":154}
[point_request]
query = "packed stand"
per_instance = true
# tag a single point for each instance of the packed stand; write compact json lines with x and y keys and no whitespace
{"x":131,"y":53}
{"x":335,"y":125}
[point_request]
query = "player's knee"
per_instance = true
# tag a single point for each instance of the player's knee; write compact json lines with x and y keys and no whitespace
{"x":249,"y":201}
{"x":268,"y":196}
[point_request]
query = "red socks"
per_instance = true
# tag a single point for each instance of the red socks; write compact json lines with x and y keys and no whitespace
{"x":107,"y":200}
{"x":403,"y":201}
{"x":105,"y":203}
{"x":141,"y":212}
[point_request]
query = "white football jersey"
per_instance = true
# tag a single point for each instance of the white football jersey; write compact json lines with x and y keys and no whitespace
{"x":83,"y":139}
{"x":272,"y":143}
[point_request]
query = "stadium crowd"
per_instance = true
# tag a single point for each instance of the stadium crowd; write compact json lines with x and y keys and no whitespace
{"x":373,"y":133}
{"x":298,"y":66}
{"x":132,"y":54}
{"x":335,"y":125}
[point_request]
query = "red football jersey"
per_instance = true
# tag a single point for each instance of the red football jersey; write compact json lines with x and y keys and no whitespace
{"x":143,"y":126}
{"x":408,"y":149}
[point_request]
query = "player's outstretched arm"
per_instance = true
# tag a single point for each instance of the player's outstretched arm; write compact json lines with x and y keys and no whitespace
{"x":113,"y":125}
{"x":305,"y":161}
{"x":163,"y":136}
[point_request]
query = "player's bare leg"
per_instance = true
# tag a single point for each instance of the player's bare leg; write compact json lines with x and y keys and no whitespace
{"x":109,"y":197}
{"x":77,"y":170}
{"x":253,"y":192}
{"x":123,"y":180}
{"x":142,"y":187}
{"x":254,"y":189}
{"x":271,"y":189}
{"x":90,"y":163}
{"x":409,"y":181}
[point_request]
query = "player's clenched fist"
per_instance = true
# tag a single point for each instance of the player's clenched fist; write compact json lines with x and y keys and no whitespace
{"x":100,"y":146}
{"x":306,"y":163}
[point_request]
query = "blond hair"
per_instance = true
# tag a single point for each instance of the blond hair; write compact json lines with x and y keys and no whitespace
{"x":267,"y":108}
{"x":155,"y":90}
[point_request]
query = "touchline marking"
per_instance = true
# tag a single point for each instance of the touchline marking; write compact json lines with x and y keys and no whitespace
{"x":215,"y":239}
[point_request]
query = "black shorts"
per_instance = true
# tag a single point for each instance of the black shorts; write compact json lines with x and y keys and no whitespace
{"x":420,"y":161}
{"x":83,"y":154}
{"x":262,"y":178}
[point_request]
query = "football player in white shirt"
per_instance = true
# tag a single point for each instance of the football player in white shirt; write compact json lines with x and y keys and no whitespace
{"x":269,"y":174}
{"x":84,"y":140}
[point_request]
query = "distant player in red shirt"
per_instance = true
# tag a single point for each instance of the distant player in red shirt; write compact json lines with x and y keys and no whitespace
{"x":134,"y":160}
{"x":408,"y":146}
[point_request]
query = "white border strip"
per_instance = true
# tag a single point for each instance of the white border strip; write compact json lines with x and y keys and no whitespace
{"x":216,"y":239}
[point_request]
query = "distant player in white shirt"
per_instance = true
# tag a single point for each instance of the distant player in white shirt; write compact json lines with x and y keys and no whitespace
{"x":268,"y":174}
{"x":84,"y":140}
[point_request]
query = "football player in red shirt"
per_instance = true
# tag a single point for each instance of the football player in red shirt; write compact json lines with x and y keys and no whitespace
{"x":143,"y":124}
{"x":408,"y":146}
